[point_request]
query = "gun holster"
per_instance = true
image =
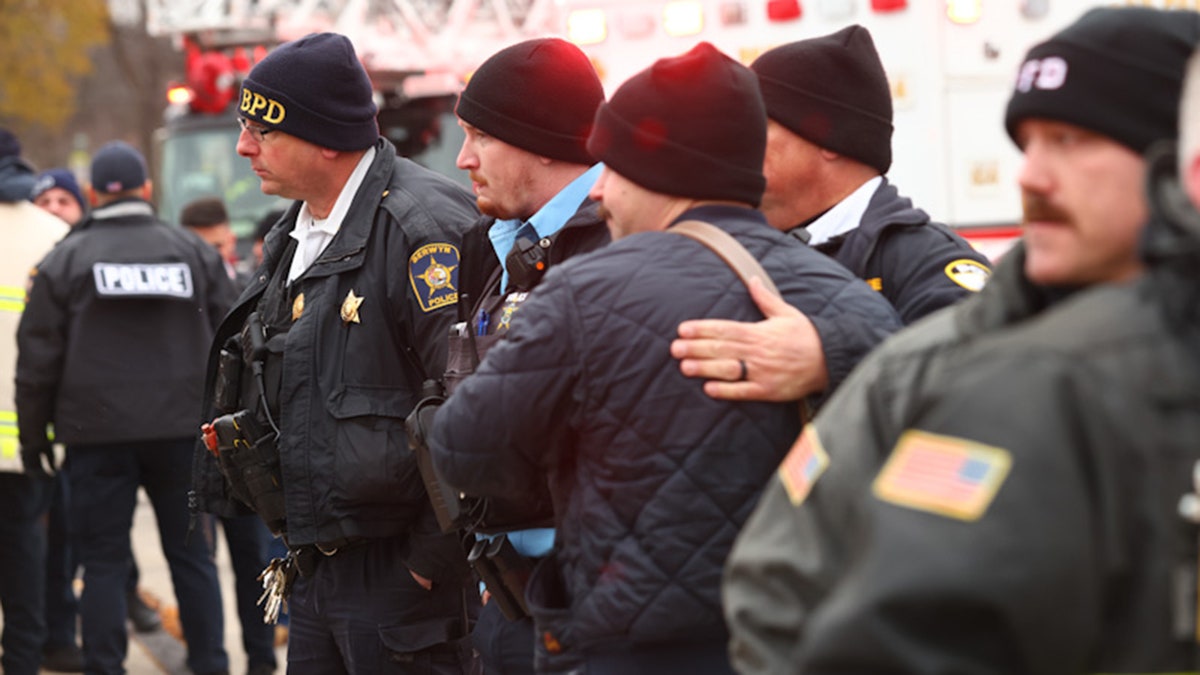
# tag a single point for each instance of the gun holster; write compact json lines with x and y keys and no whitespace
{"x":248,"y":456}
{"x":447,"y":502}
{"x":505,"y":573}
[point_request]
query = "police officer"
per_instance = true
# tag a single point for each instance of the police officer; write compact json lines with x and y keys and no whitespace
{"x":532,"y":173}
{"x":111,"y":353}
{"x":29,"y":233}
{"x":334,"y":336}
{"x":649,"y":478}
{"x":829,"y":147}
{"x":1038,"y":436}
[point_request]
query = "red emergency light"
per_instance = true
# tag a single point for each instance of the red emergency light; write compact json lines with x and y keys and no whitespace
{"x":784,"y":10}
{"x":889,"y":5}
{"x":211,"y":79}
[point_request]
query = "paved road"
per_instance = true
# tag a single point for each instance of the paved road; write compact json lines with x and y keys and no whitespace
{"x":159,"y":652}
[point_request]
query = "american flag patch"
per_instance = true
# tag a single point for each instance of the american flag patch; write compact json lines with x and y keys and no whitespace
{"x":804,"y":464}
{"x":942,"y":474}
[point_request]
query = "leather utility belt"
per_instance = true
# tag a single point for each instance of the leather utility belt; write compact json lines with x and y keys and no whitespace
{"x":244,"y":438}
{"x":280,"y":574}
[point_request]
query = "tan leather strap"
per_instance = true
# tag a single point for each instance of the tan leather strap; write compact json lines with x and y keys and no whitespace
{"x":739,"y":259}
{"x":728,"y":249}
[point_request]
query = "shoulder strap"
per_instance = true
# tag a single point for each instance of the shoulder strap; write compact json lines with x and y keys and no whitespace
{"x":727,"y":248}
{"x":737,"y":257}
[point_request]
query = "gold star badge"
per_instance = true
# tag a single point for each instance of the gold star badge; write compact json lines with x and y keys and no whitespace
{"x":297,"y":307}
{"x":350,"y":307}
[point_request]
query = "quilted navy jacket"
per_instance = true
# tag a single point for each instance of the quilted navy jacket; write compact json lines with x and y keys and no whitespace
{"x":651,"y":478}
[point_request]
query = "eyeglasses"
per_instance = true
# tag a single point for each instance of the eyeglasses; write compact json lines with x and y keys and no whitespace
{"x":257,"y":133}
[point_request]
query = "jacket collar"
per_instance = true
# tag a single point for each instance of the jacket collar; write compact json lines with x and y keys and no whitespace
{"x":356,"y":226}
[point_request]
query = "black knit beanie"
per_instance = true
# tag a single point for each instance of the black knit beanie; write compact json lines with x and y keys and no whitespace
{"x":831,"y":91}
{"x":1115,"y":71}
{"x":313,"y":88}
{"x":9,"y":145}
{"x":539,"y":95}
{"x":692,"y":126}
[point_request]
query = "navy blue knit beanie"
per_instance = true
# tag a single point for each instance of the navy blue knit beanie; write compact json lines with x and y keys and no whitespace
{"x":539,"y":95}
{"x":58,"y":178}
{"x":832,"y":91}
{"x":692,"y":126}
{"x":117,"y":167}
{"x":1117,"y":71}
{"x":313,"y":88}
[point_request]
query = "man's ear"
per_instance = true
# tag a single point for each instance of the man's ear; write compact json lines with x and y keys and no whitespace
{"x":147,"y":189}
{"x":91,"y":196}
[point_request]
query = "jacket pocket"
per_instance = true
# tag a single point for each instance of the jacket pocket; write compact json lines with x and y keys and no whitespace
{"x":549,"y":603}
{"x":372,"y":461}
{"x":415,"y":647}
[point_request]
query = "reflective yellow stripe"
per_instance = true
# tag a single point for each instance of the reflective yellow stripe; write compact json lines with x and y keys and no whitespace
{"x":12,"y":299}
{"x":9,"y":445}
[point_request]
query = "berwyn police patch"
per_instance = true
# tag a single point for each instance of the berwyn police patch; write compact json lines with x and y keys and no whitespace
{"x":140,"y":280}
{"x":433,"y":272}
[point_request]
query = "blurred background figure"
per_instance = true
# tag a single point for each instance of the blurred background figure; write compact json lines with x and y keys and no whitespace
{"x":208,"y":218}
{"x":29,"y":233}
{"x":261,"y":230}
{"x":110,"y":355}
{"x":57,"y":191}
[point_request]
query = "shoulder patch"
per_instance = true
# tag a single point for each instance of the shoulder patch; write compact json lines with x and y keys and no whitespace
{"x":433,"y":272}
{"x":949,"y":476}
{"x":804,"y":464}
{"x":876,"y":283}
{"x":969,"y":274}
{"x":141,"y":280}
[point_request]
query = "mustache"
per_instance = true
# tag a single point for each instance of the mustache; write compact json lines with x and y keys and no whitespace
{"x":476,"y":178}
{"x":603,"y":212}
{"x":1037,"y":208}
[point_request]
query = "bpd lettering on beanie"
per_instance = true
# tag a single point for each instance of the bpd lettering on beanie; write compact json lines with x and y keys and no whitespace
{"x":313,"y":88}
{"x":1115,"y":71}
{"x":833,"y":92}
{"x":691,"y":126}
{"x":539,"y":95}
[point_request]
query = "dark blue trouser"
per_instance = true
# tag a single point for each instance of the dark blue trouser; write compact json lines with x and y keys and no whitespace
{"x":506,"y":647}
{"x":62,"y":607}
{"x":22,"y":571}
{"x":362,"y":613}
{"x":248,"y":538}
{"x":104,"y":480}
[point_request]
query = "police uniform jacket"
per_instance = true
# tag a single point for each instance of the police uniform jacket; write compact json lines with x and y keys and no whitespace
{"x":113,"y":338}
{"x":363,"y":328}
{"x":917,"y":264}
{"x":29,"y":233}
{"x":1053,"y":546}
{"x":651,"y":477}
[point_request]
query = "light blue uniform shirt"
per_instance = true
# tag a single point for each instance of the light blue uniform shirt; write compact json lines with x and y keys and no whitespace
{"x":549,"y":219}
